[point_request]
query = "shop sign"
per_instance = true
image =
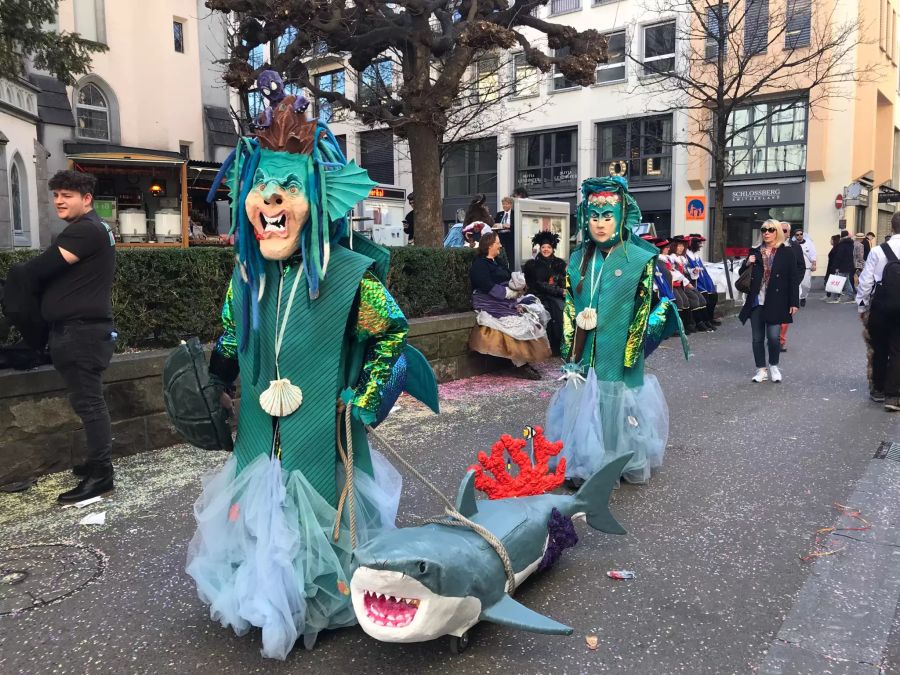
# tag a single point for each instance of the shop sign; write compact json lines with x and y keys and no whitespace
{"x":785,"y":194}
{"x":839,"y":202}
{"x":695,"y":207}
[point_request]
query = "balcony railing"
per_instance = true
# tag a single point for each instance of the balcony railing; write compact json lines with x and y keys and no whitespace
{"x":17,"y":96}
{"x":564,"y":6}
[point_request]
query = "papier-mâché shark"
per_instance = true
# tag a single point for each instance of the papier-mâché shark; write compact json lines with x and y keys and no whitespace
{"x":419,"y":583}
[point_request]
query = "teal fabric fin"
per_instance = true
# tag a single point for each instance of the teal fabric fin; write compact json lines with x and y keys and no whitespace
{"x":465,"y":498}
{"x":345,"y":187}
{"x":593,"y":497}
{"x":508,"y":612}
{"x":420,"y":381}
{"x":378,"y":253}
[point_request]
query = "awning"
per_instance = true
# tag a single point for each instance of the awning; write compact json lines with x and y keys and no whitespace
{"x":120,"y":155}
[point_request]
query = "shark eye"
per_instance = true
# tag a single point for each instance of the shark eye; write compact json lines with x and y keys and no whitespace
{"x":423,"y":566}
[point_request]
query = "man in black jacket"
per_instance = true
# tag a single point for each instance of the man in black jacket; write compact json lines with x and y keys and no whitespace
{"x":801,"y":269}
{"x":74,"y":278}
{"x":843,"y":265}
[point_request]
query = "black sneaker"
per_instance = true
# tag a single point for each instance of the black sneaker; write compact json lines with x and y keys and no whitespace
{"x":877,"y":396}
{"x":99,"y":481}
{"x":892,"y":404}
{"x":803,"y":302}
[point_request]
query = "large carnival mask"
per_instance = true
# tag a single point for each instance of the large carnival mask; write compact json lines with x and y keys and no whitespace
{"x":277,"y":205}
{"x":606,"y":211}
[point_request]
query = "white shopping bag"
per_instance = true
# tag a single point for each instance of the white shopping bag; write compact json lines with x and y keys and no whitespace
{"x":835,"y":283}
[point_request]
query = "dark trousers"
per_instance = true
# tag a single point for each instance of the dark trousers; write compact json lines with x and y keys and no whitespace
{"x":81,"y":352}
{"x":555,"y":306}
{"x":884,"y":334}
{"x":764,"y":332}
{"x":711,"y":300}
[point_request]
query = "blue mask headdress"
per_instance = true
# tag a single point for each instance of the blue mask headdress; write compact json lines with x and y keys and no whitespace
{"x":308,"y":152}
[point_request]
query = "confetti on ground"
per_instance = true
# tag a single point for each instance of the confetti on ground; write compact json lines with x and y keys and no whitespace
{"x":592,"y":642}
{"x":620,"y":574}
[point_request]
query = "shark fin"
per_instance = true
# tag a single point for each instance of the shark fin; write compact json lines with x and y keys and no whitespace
{"x":593,"y":497}
{"x":508,"y":612}
{"x":346,"y":186}
{"x":465,"y":498}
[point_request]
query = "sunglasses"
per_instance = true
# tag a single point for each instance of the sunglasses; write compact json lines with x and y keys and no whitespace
{"x":770,"y":230}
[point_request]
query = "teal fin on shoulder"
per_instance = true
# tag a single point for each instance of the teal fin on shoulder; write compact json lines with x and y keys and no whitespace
{"x":420,"y":381}
{"x":345,"y":187}
{"x":593,"y":497}
{"x":508,"y":612}
{"x":465,"y":498}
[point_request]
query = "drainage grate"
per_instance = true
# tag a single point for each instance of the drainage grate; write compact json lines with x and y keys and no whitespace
{"x":888,"y":450}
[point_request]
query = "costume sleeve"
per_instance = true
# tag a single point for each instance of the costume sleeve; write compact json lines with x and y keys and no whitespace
{"x":223,"y":362}
{"x":568,"y":323}
{"x":380,"y":323}
{"x":634,"y":346}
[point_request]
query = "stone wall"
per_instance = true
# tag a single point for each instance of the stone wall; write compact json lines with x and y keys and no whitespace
{"x":40,"y":434}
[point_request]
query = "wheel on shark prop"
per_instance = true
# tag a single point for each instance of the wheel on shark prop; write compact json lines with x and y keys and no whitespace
{"x":415,"y":584}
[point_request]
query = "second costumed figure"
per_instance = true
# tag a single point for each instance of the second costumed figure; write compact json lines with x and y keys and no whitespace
{"x":609,"y":406}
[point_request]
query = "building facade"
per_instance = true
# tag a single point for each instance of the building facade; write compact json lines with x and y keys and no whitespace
{"x":150,"y":114}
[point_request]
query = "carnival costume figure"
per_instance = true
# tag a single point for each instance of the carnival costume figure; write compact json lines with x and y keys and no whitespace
{"x":702,"y":281}
{"x":608,"y":406}
{"x":320,"y":346}
{"x":545,"y":276}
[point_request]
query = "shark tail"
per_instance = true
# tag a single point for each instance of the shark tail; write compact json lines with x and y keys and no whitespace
{"x":593,"y":497}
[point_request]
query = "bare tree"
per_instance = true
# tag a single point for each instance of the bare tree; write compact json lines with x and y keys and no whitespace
{"x":433,"y":44}
{"x":730,"y":56}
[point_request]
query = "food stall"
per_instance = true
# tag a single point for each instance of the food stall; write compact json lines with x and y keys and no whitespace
{"x":148,"y":196}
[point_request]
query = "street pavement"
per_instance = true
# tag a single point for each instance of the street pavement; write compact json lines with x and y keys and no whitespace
{"x":715,"y":539}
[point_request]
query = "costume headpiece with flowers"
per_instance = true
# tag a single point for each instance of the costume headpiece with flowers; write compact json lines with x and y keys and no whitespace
{"x":608,"y":195}
{"x":292,"y":189}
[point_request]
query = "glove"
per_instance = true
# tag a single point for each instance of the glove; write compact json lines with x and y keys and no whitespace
{"x":510,"y":293}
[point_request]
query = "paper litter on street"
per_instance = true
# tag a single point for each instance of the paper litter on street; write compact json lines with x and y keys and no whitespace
{"x":83,"y":503}
{"x":98,"y":518}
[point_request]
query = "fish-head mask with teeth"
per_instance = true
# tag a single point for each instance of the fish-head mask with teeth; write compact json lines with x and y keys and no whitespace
{"x":278,"y":204}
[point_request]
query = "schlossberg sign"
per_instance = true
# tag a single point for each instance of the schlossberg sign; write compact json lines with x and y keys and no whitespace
{"x":784,"y":194}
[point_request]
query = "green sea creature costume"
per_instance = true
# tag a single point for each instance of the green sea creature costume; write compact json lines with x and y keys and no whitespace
{"x":608,"y":406}
{"x":320,"y":346}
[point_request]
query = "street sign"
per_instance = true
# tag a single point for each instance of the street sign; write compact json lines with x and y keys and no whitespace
{"x":839,"y":202}
{"x":695,"y":208}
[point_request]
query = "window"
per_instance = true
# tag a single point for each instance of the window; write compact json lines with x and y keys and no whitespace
{"x":342,"y":143}
{"x":256,"y":103}
{"x":640,"y":150}
{"x":756,"y":26}
{"x":614,"y":68}
{"x":560,"y":81}
{"x":178,"y":33}
{"x":92,"y":113}
{"x":376,"y":155}
{"x":659,"y":48}
{"x":487,"y":79}
{"x":527,"y":77}
{"x":548,"y":162}
{"x":90,"y":20}
{"x":184,"y":149}
{"x":717,"y":29}
{"x":798,"y":23}
{"x":15,"y":196}
{"x":564,"y":6}
{"x":328,"y":111}
{"x":471,"y":168}
{"x":376,"y":83}
{"x":768,"y":138}
{"x":285,"y":40}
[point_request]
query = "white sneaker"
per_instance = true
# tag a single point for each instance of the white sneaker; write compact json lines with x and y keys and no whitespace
{"x":761,"y":375}
{"x":774,"y":373}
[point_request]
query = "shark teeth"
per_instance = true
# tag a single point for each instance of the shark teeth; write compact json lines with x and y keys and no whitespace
{"x":389,"y":610}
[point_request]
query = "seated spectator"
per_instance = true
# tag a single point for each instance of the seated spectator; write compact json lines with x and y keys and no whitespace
{"x":546,"y":278}
{"x":510,"y":323}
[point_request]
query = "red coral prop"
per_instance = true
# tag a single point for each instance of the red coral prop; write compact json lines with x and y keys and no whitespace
{"x":532,"y":479}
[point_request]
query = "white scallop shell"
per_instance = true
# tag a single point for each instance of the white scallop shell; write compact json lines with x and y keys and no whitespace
{"x":281,"y":398}
{"x":587,"y":319}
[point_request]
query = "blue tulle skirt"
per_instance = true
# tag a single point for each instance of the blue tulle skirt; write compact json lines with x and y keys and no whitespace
{"x":263,"y":554}
{"x":598,"y":421}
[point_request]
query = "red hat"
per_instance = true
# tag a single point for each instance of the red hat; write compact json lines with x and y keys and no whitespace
{"x":698,"y":237}
{"x":647,"y":237}
{"x":661,"y":243}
